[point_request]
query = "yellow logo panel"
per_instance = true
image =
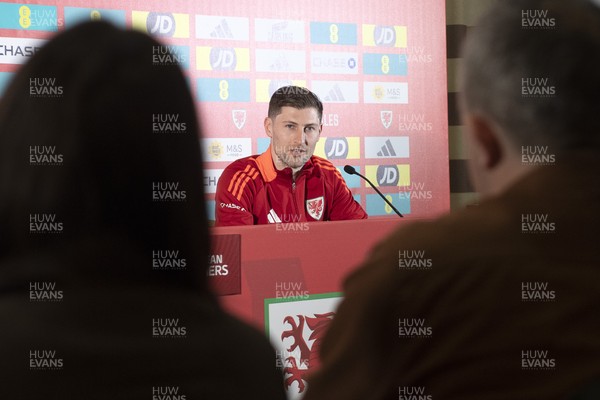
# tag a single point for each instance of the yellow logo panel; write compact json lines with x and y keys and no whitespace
{"x":341,"y":148}
{"x":384,"y":36}
{"x":222,"y":59}
{"x":389,"y":175}
{"x":161,"y":24}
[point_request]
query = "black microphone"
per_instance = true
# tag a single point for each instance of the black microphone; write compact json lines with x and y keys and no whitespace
{"x":351,"y":171}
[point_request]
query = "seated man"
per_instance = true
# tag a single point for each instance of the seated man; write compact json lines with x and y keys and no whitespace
{"x":499,"y":301}
{"x":286,"y":183}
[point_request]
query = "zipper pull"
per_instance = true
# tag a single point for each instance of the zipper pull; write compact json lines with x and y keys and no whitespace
{"x":293,"y":185}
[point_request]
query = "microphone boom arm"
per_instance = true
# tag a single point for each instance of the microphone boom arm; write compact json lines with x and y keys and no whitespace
{"x":352,"y":171}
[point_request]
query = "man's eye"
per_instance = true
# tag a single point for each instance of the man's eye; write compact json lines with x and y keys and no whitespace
{"x":289,"y":126}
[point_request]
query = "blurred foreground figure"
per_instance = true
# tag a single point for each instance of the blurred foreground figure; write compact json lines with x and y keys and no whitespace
{"x":103,"y":235}
{"x":500,"y":301}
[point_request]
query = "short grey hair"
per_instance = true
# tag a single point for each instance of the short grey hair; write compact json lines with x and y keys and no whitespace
{"x":508,"y":46}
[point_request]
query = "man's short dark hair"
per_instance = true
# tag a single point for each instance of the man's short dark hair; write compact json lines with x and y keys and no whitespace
{"x":533,"y":67}
{"x":294,"y":96}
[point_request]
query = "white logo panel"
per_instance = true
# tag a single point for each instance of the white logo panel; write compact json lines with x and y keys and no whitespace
{"x":336,"y":91}
{"x":387,"y":147}
{"x":226,"y":149}
{"x":221,"y":27}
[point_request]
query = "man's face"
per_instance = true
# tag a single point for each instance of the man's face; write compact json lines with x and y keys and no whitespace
{"x":294,"y":134}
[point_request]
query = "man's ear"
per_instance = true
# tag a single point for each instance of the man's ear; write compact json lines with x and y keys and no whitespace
{"x":268,"y":127}
{"x":485,"y":138}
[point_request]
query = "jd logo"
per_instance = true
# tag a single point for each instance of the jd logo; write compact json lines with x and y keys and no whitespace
{"x":160,"y":24}
{"x":222,"y":59}
{"x":336,"y":148}
{"x":385,"y":36}
{"x":387,"y":175}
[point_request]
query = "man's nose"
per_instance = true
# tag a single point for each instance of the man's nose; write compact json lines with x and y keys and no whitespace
{"x":299,"y":137}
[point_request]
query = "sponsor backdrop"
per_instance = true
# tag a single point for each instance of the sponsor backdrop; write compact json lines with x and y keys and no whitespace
{"x":378,"y":66}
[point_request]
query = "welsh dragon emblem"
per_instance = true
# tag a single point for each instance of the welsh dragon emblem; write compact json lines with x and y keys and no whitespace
{"x":315,"y":207}
{"x":296,"y":369}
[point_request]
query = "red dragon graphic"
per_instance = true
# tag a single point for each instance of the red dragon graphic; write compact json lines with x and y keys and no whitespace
{"x":309,"y":356}
{"x":315,"y":208}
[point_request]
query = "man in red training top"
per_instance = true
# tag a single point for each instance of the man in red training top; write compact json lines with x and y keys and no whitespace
{"x":286,"y":183}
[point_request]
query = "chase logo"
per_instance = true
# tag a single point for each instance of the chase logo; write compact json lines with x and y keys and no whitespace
{"x":18,"y":50}
{"x":211,"y":178}
{"x":338,"y":148}
{"x":385,"y":64}
{"x":222,"y":59}
{"x":333,"y":33}
{"x":223,"y":90}
{"x":29,"y":17}
{"x":389,"y":175}
{"x":75,"y":15}
{"x":333,"y":62}
{"x":384,"y":36}
{"x":162,"y":24}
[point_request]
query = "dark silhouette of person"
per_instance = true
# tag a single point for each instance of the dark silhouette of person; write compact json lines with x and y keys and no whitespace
{"x":499,"y":301}
{"x":104,"y":241}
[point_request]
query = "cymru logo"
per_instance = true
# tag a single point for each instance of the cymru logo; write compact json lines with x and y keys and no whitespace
{"x":239,"y":118}
{"x":297,"y":367}
{"x":315,"y":207}
{"x":386,"y":118}
{"x":297,"y":328}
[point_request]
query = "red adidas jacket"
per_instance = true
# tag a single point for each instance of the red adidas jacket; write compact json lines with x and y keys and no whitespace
{"x":252,"y":191}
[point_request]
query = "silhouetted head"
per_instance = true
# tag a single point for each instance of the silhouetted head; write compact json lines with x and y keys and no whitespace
{"x":101,"y":135}
{"x":530,"y":81}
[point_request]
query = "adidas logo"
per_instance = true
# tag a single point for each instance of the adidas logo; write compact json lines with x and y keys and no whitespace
{"x":335,"y":94}
{"x":280,"y":64}
{"x":273,"y":217}
{"x":222,"y":31}
{"x":387,"y":150}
